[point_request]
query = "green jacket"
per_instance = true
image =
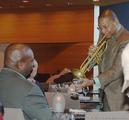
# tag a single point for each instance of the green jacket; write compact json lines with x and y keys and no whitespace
{"x":17,"y":92}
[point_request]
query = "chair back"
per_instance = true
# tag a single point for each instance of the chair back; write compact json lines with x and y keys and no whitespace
{"x":13,"y":114}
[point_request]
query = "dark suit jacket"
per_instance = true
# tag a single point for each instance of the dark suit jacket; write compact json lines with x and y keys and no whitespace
{"x":17,"y":92}
{"x":111,"y":75}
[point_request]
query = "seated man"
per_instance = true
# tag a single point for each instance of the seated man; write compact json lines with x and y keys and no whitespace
{"x":15,"y":90}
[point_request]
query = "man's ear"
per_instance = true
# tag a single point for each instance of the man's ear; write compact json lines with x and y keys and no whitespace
{"x":116,"y":23}
{"x":20,"y":65}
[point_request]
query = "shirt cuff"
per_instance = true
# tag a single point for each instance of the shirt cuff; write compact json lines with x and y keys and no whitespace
{"x":97,"y":81}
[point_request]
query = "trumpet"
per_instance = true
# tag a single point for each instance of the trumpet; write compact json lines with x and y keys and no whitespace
{"x":91,"y":60}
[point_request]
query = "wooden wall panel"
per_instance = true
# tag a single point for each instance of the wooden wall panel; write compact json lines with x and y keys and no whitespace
{"x":55,"y":57}
{"x":59,"y":39}
{"x":47,"y":26}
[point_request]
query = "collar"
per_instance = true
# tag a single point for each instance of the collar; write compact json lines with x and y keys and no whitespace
{"x":120,"y":28}
{"x":13,"y":71}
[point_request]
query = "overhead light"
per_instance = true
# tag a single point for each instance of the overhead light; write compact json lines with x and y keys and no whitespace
{"x":25,"y":1}
{"x":96,"y":0}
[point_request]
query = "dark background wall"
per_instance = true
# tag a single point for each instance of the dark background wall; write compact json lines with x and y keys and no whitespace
{"x":122,"y":11}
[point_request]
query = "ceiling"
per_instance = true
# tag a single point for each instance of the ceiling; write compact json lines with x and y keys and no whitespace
{"x":41,"y":4}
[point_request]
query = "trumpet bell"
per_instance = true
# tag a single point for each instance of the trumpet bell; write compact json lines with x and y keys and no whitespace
{"x":78,"y":73}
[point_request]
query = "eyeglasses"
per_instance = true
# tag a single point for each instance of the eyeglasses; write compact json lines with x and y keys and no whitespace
{"x":106,"y":27}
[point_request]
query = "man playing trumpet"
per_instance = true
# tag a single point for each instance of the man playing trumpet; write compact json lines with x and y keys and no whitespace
{"x":111,"y":73}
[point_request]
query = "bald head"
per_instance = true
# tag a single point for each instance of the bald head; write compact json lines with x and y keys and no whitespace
{"x":108,"y":14}
{"x":108,"y":23}
{"x":19,"y":57}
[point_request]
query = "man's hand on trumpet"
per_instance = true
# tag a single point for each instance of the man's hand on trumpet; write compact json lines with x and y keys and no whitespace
{"x":92,"y":49}
{"x":85,"y":83}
